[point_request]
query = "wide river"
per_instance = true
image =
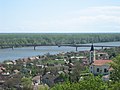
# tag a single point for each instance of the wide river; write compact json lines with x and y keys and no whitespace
{"x":9,"y":54}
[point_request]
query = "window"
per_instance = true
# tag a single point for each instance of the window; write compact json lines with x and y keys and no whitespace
{"x":97,"y":69}
{"x":105,"y":70}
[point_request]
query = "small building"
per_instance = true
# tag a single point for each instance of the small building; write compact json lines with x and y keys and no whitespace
{"x":5,"y":73}
{"x":37,"y":80}
{"x":16,"y":71}
{"x":9,"y":62}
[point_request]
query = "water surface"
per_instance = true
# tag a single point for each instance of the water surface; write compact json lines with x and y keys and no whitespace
{"x":9,"y":54}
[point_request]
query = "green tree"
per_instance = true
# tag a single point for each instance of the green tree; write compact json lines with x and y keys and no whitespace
{"x":27,"y":83}
{"x":115,"y":75}
{"x":114,"y":86}
{"x":90,"y":83}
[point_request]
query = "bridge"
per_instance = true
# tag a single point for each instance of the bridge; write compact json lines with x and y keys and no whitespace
{"x":59,"y":45}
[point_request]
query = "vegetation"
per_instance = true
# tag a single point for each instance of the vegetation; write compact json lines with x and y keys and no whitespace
{"x":43,"y":87}
{"x":74,"y":80}
{"x":95,"y":82}
{"x":90,"y":83}
{"x":19,"y":39}
{"x":115,"y":75}
{"x":27,"y":83}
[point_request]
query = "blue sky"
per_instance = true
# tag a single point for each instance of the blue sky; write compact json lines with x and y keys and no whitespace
{"x":59,"y":16}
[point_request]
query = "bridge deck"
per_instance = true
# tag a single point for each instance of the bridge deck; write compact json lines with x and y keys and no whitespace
{"x":70,"y":45}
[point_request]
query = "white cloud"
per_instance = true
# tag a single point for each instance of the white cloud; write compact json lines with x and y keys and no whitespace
{"x":95,"y":16}
{"x":92,"y":19}
{"x":104,"y":10}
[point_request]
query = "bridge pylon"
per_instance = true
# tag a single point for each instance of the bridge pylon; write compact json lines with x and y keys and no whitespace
{"x":76,"y":48}
{"x":12,"y":47}
{"x":34,"y":47}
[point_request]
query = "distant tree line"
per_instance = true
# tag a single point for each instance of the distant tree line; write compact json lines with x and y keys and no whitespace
{"x":57,"y":38}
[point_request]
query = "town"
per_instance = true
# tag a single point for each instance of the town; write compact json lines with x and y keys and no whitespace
{"x":59,"y":44}
{"x":46,"y":71}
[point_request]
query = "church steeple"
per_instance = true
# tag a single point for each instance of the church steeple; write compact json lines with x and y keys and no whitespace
{"x":92,"y":54}
{"x":92,"y":47}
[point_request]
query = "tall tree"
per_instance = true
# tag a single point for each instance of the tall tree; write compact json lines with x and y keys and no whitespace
{"x":27,"y":83}
{"x":90,"y":83}
{"x":115,"y":75}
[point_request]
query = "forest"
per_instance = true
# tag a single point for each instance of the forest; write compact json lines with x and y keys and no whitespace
{"x":56,"y":38}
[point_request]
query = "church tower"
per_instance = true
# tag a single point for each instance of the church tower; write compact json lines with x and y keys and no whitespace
{"x":92,"y":54}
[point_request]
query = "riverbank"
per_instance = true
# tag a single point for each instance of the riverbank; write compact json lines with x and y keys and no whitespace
{"x":9,"y":54}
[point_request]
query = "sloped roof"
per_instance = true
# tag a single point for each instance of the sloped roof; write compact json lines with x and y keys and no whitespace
{"x":101,"y":62}
{"x":37,"y":77}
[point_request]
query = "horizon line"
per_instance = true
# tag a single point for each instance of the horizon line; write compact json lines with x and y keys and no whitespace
{"x":53,"y":32}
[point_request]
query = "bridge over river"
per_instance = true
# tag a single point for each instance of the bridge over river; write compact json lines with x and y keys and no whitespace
{"x":59,"y":45}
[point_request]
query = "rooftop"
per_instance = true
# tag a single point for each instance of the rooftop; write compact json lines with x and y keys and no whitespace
{"x":101,"y":62}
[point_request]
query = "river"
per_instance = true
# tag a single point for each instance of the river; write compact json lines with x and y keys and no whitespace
{"x":23,"y":52}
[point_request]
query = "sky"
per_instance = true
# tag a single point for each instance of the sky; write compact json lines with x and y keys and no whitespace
{"x":59,"y":16}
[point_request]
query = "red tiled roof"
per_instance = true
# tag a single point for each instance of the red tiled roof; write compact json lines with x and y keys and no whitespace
{"x":101,"y":62}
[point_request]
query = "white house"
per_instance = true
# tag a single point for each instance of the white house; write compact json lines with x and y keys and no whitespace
{"x":100,"y":67}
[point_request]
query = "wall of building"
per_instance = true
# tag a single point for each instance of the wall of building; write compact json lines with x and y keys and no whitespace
{"x":93,"y":69}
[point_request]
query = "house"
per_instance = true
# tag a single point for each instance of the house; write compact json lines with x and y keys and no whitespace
{"x":48,"y":79}
{"x":51,"y":79}
{"x":37,"y":80}
{"x":9,"y":62}
{"x":16,"y":71}
{"x":5,"y":73}
{"x":102,"y":55}
{"x":2,"y":69}
{"x":98,"y":67}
